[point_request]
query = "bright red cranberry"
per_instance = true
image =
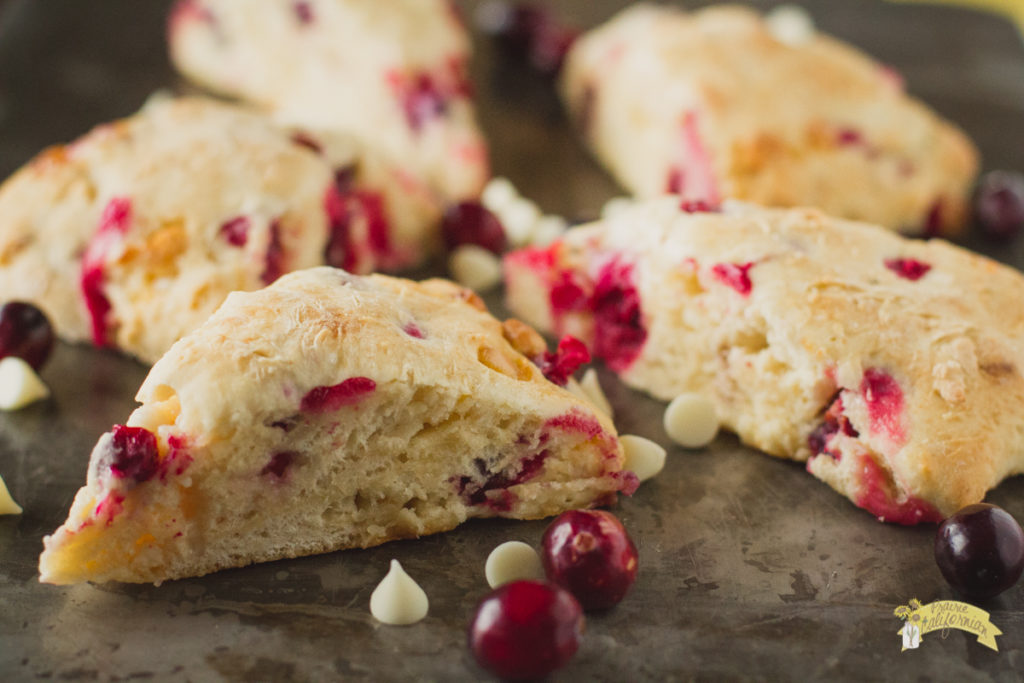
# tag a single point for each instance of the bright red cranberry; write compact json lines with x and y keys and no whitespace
{"x":472,"y":223}
{"x":884,"y":399}
{"x":235,"y":231}
{"x":559,"y":366}
{"x":736,"y":275}
{"x":697,"y":206}
{"x":133,"y":453}
{"x":589,"y":553}
{"x":525,"y":630}
{"x":999,"y":204}
{"x":980,"y":550}
{"x":908,"y":268}
{"x":618,"y":318}
{"x":25,"y":332}
{"x":326,"y":399}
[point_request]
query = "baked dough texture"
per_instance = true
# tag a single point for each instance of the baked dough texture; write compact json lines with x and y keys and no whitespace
{"x":331,"y":411}
{"x":392,"y":73}
{"x":892,"y":367}
{"x":711,"y":105}
{"x":133,"y":235}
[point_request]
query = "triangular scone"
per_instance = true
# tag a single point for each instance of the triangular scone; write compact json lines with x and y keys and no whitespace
{"x":711,"y":104}
{"x":332,"y":411}
{"x":891,"y":366}
{"x":134,"y":234}
{"x":393,"y":73}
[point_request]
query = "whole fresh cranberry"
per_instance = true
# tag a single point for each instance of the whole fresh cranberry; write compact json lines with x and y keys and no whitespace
{"x":25,"y":332}
{"x":999,"y":204}
{"x":980,"y":550}
{"x":472,"y":223}
{"x":589,"y":553}
{"x":526,"y":630}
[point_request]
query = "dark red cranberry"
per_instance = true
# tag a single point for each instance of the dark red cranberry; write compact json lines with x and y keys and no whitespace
{"x":589,"y":553}
{"x":326,"y":399}
{"x":97,"y":303}
{"x":908,"y":268}
{"x":472,"y":223}
{"x":279,"y":464}
{"x":618,"y":317}
{"x":25,"y":332}
{"x":423,"y":101}
{"x":303,"y":12}
{"x":525,"y":630}
{"x":980,"y":550}
{"x":235,"y":231}
{"x":532,"y":32}
{"x":999,"y":204}
{"x":935,"y":218}
{"x":834,"y":421}
{"x":273,"y":267}
{"x":559,"y":366}
{"x":133,"y":453}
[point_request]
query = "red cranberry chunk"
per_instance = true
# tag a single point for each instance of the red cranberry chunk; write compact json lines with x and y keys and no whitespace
{"x":999,"y":204}
{"x":935,"y":218}
{"x":133,"y":453}
{"x":833,"y":423}
{"x":879,"y":497}
{"x":980,"y":551}
{"x":559,"y":366}
{"x":676,"y":181}
{"x":117,"y":215}
{"x":26,"y":333}
{"x":589,"y":553}
{"x":98,"y":305}
{"x":235,"y":231}
{"x":274,"y":260}
{"x":477,"y":493}
{"x":308,"y":141}
{"x":326,"y":399}
{"x":413,"y":330}
{"x":525,"y":630}
{"x":422,"y":101}
{"x":849,"y":137}
{"x":567,"y":294}
{"x":697,"y":206}
{"x":884,"y":400}
{"x":471,"y":222}
{"x":303,"y":12}
{"x":736,"y":275}
{"x":618,"y":318}
{"x":339,"y":251}
{"x":908,"y":268}
{"x":279,"y":464}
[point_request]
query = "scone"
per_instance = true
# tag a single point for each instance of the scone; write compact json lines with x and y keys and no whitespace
{"x":332,"y":411}
{"x":393,"y":73}
{"x":891,"y":366}
{"x":134,"y":234}
{"x":711,"y":105}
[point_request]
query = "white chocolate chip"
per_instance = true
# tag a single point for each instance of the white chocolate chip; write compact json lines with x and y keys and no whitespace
{"x":790,"y":25}
{"x":615,"y":206}
{"x":498,"y":195}
{"x":512,"y":561}
{"x":7,"y":504}
{"x":398,"y":600}
{"x":519,"y":219}
{"x":548,"y":229}
{"x":475,"y":267}
{"x":691,"y":420}
{"x":644,"y":458}
{"x":19,"y":384}
{"x":592,"y":388}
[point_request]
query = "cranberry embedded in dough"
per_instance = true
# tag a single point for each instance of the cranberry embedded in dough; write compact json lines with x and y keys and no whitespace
{"x":326,"y":399}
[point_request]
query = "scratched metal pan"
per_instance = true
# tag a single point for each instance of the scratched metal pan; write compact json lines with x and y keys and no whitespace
{"x":750,"y":568}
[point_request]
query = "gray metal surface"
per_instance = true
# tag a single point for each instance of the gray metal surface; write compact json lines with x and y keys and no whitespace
{"x":750,"y":568}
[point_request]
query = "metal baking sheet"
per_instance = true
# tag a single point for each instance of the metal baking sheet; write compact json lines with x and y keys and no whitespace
{"x":750,"y":568}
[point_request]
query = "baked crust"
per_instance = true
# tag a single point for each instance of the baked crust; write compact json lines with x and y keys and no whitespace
{"x":330,"y":411}
{"x":134,"y":234}
{"x":891,"y":366}
{"x":710,"y":104}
